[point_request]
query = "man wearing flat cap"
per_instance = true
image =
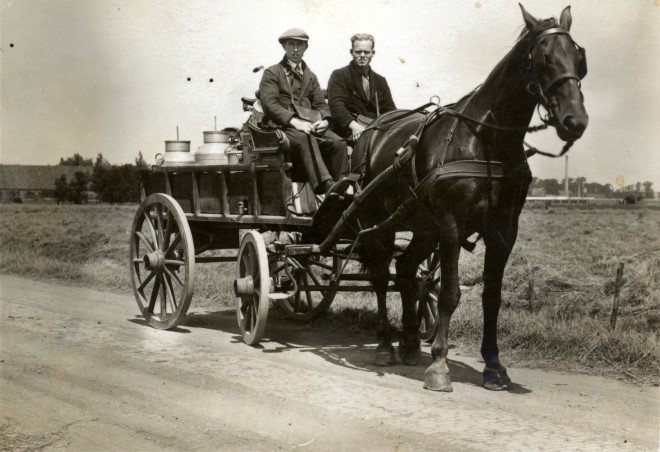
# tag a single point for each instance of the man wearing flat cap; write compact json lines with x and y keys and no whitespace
{"x":292,"y":99}
{"x":356,"y":93}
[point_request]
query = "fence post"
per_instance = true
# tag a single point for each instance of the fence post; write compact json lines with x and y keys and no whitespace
{"x":530,"y":291}
{"x":530,"y":287}
{"x":617,"y":292}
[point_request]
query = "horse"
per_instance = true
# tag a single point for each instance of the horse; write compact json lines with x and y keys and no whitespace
{"x":468,"y":174}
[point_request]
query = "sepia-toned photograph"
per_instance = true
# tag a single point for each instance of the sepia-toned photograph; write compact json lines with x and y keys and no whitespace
{"x":367,"y":225}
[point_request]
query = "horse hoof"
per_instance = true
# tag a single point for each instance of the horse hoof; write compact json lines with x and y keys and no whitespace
{"x":385,"y":356}
{"x":496,"y":379}
{"x":436,"y":377}
{"x":410,"y":355}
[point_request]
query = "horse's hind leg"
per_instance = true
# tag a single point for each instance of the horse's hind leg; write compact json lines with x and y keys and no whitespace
{"x":419,"y":248}
{"x":377,"y":257}
{"x":436,"y":376}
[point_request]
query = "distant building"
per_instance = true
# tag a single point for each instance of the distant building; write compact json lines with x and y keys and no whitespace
{"x":34,"y":182}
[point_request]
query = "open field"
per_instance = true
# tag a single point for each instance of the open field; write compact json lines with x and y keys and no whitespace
{"x":571,"y":255}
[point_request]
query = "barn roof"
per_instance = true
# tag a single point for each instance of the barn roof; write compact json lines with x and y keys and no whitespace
{"x":36,"y":177}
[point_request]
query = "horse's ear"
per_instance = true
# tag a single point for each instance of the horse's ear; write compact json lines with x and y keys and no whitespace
{"x":530,"y":21}
{"x":565,"y":19}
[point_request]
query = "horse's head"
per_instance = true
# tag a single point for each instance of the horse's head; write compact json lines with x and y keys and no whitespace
{"x":556,"y":66}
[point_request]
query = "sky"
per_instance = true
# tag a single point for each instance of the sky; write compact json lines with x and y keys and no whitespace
{"x":111,"y":77}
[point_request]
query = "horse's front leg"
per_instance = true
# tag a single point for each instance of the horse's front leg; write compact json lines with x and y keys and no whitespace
{"x":495,"y":375}
{"x":498,"y":249}
{"x":436,"y":376}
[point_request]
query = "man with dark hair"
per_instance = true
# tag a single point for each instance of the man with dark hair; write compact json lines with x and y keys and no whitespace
{"x":357,"y":94}
{"x":292,"y":99}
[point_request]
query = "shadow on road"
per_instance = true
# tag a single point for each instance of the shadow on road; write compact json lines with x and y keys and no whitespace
{"x":343,"y":346}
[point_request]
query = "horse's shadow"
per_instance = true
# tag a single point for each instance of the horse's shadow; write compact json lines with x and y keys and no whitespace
{"x":346,"y":347}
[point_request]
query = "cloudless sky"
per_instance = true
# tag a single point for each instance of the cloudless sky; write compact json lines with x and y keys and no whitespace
{"x":110,"y":76}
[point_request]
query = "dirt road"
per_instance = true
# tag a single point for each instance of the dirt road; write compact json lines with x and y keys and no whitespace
{"x":80,"y":371}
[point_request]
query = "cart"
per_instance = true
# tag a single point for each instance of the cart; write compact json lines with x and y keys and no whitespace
{"x":262,"y":217}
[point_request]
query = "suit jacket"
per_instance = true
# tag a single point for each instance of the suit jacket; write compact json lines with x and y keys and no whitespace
{"x":277,"y":98}
{"x":347,"y":98}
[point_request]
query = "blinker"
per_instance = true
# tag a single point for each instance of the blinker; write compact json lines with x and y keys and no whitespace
{"x":582,"y":66}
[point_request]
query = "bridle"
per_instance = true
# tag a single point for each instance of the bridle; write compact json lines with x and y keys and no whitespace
{"x":536,"y":61}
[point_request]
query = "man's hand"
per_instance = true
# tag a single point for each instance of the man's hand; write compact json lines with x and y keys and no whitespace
{"x":320,"y":126}
{"x":356,"y":128}
{"x":301,"y":125}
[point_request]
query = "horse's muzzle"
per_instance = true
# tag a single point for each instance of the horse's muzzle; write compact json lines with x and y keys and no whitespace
{"x":572,"y":128}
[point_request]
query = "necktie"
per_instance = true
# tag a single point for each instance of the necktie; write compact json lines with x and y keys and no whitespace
{"x":365,"y":86}
{"x":299,"y":70}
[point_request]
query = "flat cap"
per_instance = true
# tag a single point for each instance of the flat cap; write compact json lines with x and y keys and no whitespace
{"x":294,"y":33}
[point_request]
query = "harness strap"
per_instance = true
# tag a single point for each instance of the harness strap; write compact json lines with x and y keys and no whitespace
{"x":455,"y":169}
{"x":454,"y":125}
{"x":378,"y":126}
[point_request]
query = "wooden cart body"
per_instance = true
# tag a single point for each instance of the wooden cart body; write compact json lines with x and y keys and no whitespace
{"x":189,"y":210}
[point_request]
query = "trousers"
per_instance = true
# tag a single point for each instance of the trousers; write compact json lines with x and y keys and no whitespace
{"x":327,"y":161}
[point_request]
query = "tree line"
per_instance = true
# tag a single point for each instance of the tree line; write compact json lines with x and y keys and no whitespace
{"x":111,"y":183}
{"x":580,"y":187}
{"x":121,"y":183}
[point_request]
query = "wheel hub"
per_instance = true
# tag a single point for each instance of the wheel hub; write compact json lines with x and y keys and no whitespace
{"x":154,"y":261}
{"x":244,"y":286}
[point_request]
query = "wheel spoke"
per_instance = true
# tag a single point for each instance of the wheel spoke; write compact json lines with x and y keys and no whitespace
{"x":154,"y":294}
{"x":174,"y":277}
{"x":151,"y":228}
{"x":163,"y":299}
{"x":256,"y":273}
{"x":424,"y":312}
{"x":174,"y":262}
{"x":255,"y":308}
{"x":170,"y":291}
{"x":146,"y":281}
{"x":145,"y":240}
{"x":248,"y":314}
{"x":168,"y":231}
{"x":173,"y":245}
{"x":159,"y":223}
{"x":248,"y":264}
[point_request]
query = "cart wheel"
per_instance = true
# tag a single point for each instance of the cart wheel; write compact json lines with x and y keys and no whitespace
{"x":428,"y":275}
{"x":308,"y":271}
{"x":252,"y":286}
{"x":162,"y":261}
